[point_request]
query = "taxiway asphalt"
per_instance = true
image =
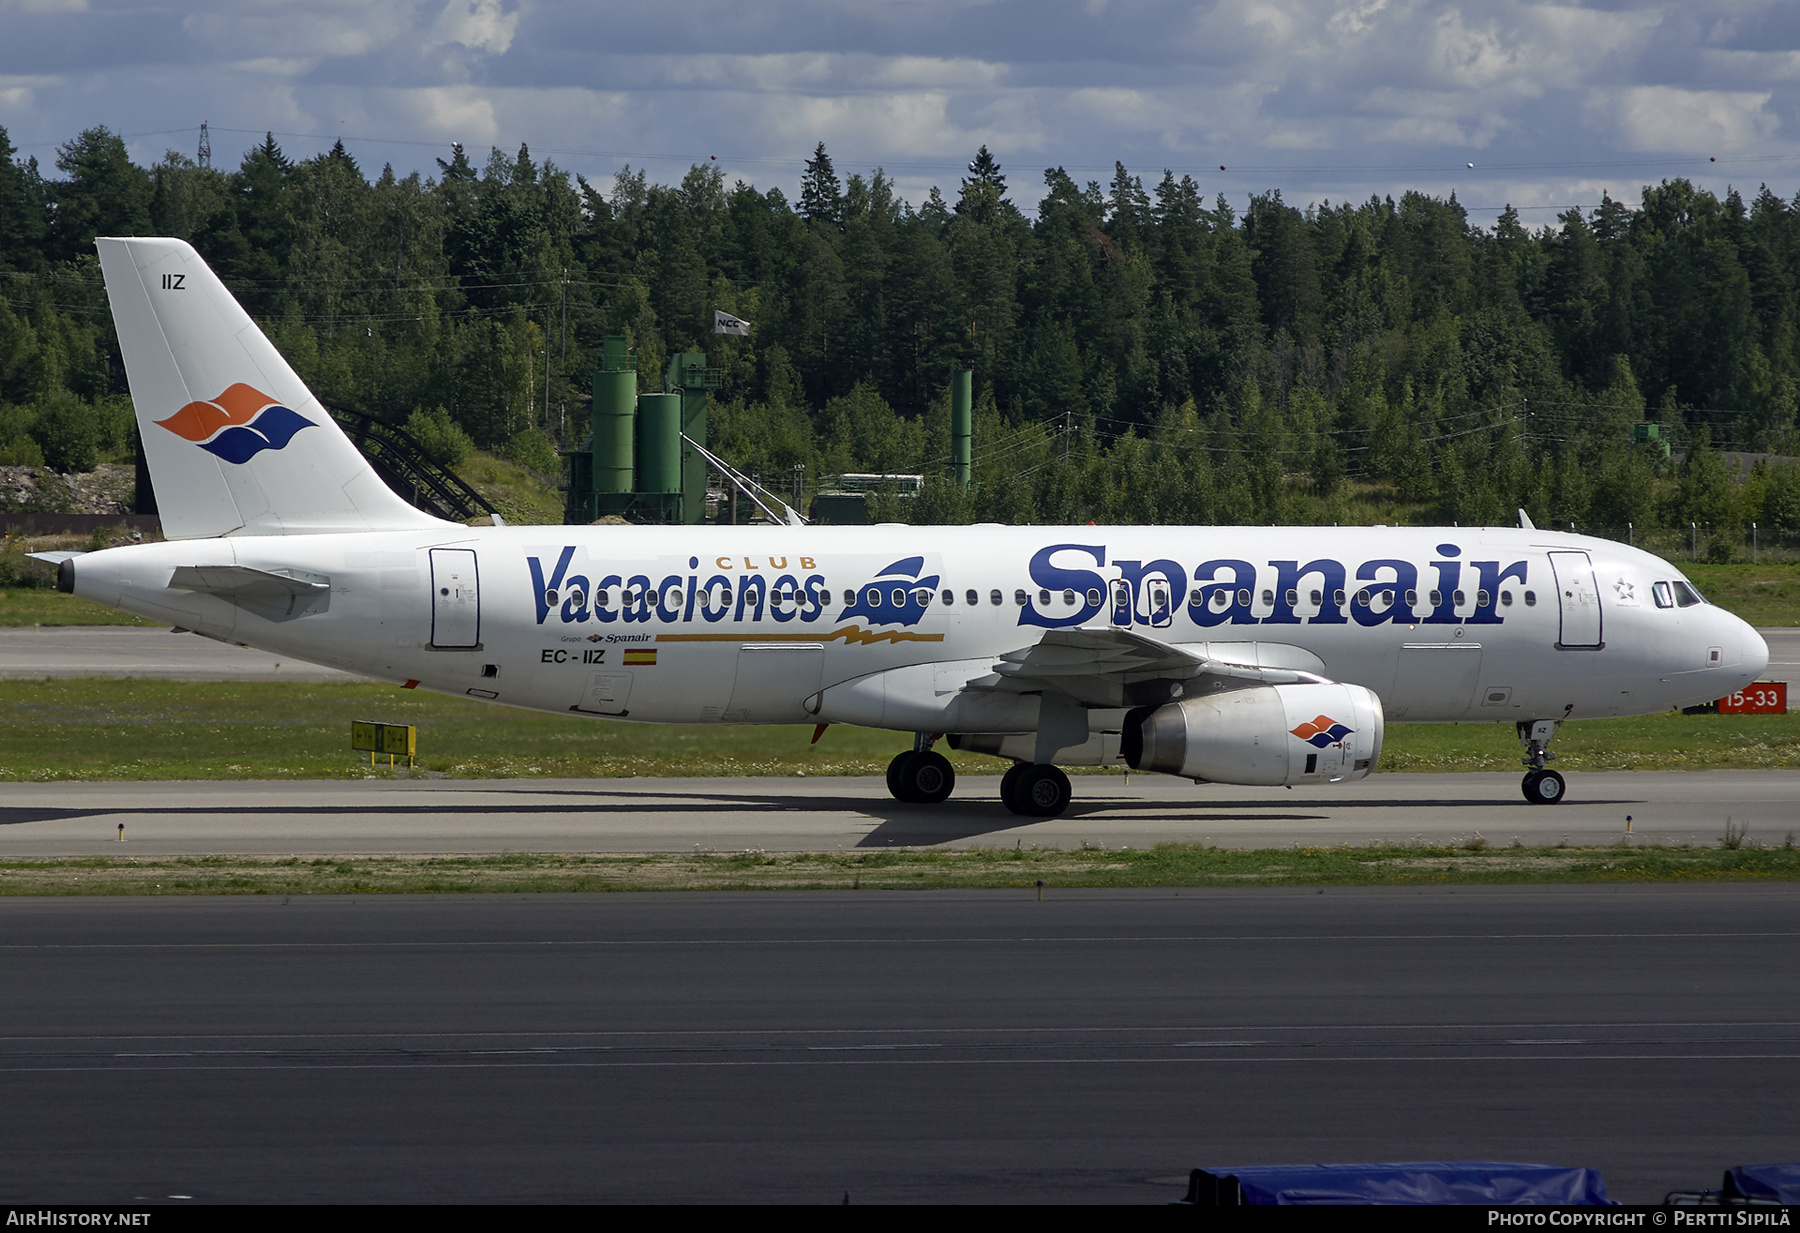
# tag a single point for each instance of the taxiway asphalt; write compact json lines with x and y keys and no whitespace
{"x":884,"y":1046}
{"x":124,"y":652}
{"x":824,"y":814}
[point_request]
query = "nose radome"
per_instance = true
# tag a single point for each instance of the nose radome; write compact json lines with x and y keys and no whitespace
{"x":1756,"y":652}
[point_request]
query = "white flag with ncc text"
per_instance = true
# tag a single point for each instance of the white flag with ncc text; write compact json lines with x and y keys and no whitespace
{"x":725,"y":323}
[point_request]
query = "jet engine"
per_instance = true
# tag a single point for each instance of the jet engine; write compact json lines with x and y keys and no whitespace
{"x":1264,"y":735}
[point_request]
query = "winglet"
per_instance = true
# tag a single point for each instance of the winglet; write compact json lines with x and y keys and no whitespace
{"x":1525,"y":523}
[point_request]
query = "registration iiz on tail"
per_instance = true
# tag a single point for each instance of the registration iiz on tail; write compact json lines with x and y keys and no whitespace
{"x":1237,"y":655}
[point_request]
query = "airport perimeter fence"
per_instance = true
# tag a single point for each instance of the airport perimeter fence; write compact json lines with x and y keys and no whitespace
{"x":1703,"y":541}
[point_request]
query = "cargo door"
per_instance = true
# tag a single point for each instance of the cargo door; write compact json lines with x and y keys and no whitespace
{"x":774,"y":680}
{"x":1578,"y":599}
{"x":455,"y":600}
{"x":1435,"y":680}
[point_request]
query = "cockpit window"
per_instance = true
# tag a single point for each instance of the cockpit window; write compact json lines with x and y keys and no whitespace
{"x":1664,"y":598}
{"x":1685,"y":595}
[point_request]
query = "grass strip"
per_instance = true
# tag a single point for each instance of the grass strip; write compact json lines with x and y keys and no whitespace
{"x":1167,"y":865}
{"x":77,"y":729}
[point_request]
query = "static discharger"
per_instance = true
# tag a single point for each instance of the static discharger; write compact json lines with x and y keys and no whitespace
{"x":394,"y":740}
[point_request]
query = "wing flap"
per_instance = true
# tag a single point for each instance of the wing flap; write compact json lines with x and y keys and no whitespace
{"x":1109,"y":667}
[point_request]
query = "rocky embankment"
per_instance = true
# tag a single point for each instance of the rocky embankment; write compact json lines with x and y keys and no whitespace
{"x":39,"y":490}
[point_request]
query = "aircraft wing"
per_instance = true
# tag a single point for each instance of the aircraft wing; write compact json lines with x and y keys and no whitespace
{"x":1111,"y":667}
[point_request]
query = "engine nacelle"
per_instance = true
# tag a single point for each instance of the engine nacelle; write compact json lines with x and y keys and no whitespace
{"x":1267,"y":735}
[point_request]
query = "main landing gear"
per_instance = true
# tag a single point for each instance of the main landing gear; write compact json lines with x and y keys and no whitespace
{"x":921,"y":776}
{"x":1035,"y":790}
{"x":1540,"y":786}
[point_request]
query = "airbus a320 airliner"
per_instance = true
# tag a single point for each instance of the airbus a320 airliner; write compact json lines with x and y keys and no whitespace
{"x":1235,"y":655}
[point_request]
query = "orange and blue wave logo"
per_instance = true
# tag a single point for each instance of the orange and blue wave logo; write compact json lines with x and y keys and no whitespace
{"x":1322,"y":731}
{"x":237,"y":425}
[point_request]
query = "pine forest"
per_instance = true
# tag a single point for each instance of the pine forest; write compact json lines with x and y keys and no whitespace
{"x":1141,"y":353}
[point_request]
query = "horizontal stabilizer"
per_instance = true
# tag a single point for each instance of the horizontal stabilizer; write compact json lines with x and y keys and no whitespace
{"x":272,"y":594}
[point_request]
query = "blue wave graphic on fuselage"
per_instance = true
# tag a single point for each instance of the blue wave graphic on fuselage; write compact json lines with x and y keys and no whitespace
{"x":875,"y":600}
{"x":271,"y":429}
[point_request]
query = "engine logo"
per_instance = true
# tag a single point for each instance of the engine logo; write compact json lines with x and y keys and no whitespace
{"x":1322,"y":731}
{"x":238,"y":425}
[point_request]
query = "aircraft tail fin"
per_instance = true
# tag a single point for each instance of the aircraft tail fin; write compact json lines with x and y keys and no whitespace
{"x":235,"y":441}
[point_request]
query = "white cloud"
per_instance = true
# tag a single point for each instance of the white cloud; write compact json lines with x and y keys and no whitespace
{"x":1664,"y":118}
{"x":459,"y":113}
{"x":480,"y":25}
{"x":1740,"y":67}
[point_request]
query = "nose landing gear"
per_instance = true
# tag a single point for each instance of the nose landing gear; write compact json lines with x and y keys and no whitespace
{"x":1540,"y":786}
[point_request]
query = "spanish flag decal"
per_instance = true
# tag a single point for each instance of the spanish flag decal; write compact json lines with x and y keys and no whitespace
{"x":640,"y":658}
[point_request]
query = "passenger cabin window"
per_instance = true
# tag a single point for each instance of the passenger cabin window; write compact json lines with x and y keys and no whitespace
{"x":973,"y":597}
{"x":1531,"y":599}
{"x":1338,"y":598}
{"x":1506,"y":599}
{"x":1663,"y":596}
{"x":1482,"y":598}
{"x":849,"y":598}
{"x":1093,"y":597}
{"x":1069,"y":598}
{"x":949,"y":597}
{"x":1685,"y":595}
{"x":1018,"y":598}
{"x":994,"y":598}
{"x":1044,"y":597}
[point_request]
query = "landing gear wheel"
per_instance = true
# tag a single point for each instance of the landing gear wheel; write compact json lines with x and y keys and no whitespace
{"x":926,"y":778}
{"x":1043,"y":790}
{"x":896,"y":775}
{"x":1543,"y":787}
{"x":1009,"y":787}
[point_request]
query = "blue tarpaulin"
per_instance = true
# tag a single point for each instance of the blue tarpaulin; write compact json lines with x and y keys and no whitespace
{"x":1443,"y":1181}
{"x":1778,"y":1183}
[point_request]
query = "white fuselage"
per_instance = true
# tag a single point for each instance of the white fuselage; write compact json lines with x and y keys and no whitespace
{"x":1468,"y":625}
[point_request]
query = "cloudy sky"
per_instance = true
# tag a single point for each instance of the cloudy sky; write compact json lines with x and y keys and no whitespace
{"x":1322,"y":99}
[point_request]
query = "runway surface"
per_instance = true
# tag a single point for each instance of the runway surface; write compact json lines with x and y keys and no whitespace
{"x":127,"y":651}
{"x":818,"y":814}
{"x":884,"y":1046}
